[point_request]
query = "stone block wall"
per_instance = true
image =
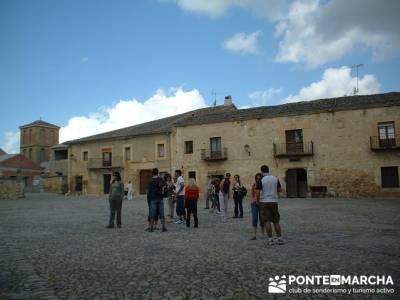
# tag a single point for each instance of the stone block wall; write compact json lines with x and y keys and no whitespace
{"x":54,"y":184}
{"x":11,"y":188}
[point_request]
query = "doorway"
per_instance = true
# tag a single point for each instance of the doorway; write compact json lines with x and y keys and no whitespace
{"x":296,"y":183}
{"x":145,"y":176}
{"x":106,"y":183}
{"x":78,"y":183}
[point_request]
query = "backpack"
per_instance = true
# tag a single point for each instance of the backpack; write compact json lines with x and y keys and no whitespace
{"x":244,"y":191}
{"x":159,"y":188}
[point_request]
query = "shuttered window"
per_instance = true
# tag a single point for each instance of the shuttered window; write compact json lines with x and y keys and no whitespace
{"x":390,"y":177}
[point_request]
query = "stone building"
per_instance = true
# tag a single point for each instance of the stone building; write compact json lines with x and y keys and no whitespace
{"x":347,"y":146}
{"x":36,"y":140}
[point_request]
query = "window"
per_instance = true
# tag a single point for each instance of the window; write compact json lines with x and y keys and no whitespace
{"x":192,"y":174}
{"x":127,"y":153}
{"x":42,"y":155}
{"x":30,"y":153}
{"x":42,"y":135}
{"x":390,"y":177}
{"x":107,"y":159}
{"x":24,"y":137}
{"x":294,"y":141}
{"x":30,"y":136}
{"x":161,"y":150}
{"x":188,"y":147}
{"x":215,"y":144}
{"x":386,"y":130}
{"x":85,"y":155}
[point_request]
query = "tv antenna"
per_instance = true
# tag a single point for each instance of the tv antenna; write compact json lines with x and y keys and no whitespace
{"x":214,"y":95}
{"x":356,"y":90}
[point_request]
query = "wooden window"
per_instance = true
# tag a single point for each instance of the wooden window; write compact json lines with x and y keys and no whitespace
{"x":161,"y":150}
{"x":107,"y":159}
{"x":390,"y":177}
{"x":294,"y":141}
{"x":188,"y":147}
{"x":127,"y":153}
{"x":42,"y":155}
{"x":85,"y":155}
{"x":215,"y":144}
{"x":386,"y":135}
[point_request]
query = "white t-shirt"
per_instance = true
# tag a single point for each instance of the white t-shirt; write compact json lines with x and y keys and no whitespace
{"x":269,"y":192}
{"x":179,"y":182}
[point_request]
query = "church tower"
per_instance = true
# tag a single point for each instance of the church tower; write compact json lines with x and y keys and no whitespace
{"x":36,"y":140}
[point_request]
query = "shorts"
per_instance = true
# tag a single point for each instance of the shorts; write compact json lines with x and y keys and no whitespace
{"x":157,"y":209}
{"x":269,"y":212}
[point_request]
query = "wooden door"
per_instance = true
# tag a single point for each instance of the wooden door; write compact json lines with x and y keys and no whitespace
{"x":145,"y":176}
{"x":106,"y":183}
{"x":291,"y":183}
{"x":78,"y":183}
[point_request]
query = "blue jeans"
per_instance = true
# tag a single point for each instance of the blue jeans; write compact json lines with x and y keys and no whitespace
{"x":180,"y":206}
{"x":157,"y":209}
{"x":255,"y":214}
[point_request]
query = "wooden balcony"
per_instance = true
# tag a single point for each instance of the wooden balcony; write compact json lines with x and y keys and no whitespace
{"x":294,"y":149}
{"x":209,"y":155}
{"x":379,"y":144}
{"x":99,"y":163}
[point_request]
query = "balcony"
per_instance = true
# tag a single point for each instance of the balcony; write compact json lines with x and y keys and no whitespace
{"x":99,"y":163}
{"x":294,"y":149}
{"x":210,"y":155}
{"x":378,"y":143}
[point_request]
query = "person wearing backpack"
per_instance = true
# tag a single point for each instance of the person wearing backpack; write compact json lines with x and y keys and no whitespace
{"x":180,"y":196}
{"x":155,"y":193}
{"x":238,"y":195}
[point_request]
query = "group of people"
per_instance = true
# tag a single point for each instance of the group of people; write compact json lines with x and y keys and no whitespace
{"x":182,"y":199}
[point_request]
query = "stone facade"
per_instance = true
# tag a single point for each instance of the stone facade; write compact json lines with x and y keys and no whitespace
{"x":36,"y":140}
{"x":54,"y":184}
{"x":336,"y":156}
{"x":11,"y":188}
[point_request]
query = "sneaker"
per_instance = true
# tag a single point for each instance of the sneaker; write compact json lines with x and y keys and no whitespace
{"x":270,"y":242}
{"x":280,"y":241}
{"x":164,"y":229}
{"x":110,"y":226}
{"x":178,"y":222}
{"x":253,"y":238}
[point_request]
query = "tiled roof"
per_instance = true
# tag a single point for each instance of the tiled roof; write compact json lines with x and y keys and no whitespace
{"x":220,"y":114}
{"x":4,"y":157}
{"x":39,"y":123}
{"x":298,"y":108}
{"x":154,"y":127}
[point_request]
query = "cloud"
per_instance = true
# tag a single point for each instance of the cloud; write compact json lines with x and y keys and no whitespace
{"x":263,"y":97}
{"x":270,"y":9}
{"x":317,"y":32}
{"x":243,"y":43}
{"x":131,"y":112}
{"x":336,"y":83}
{"x":11,"y":142}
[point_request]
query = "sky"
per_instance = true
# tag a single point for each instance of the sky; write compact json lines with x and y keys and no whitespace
{"x":91,"y":66}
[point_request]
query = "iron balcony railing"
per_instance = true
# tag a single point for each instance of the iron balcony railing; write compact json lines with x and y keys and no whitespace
{"x":378,"y":143}
{"x":293,"y":149}
{"x":99,"y":163}
{"x":210,"y":155}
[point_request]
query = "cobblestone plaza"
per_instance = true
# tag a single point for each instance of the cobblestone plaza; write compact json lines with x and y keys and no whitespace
{"x":57,"y":247}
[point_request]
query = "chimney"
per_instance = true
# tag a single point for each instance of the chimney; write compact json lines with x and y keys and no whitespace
{"x":228,"y":101}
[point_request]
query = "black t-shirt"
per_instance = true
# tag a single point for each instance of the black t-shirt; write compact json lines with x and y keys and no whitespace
{"x":155,"y":189}
{"x":225,"y":186}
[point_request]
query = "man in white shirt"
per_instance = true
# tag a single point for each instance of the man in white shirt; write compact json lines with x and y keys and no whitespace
{"x":267,"y":195}
{"x":180,"y":196}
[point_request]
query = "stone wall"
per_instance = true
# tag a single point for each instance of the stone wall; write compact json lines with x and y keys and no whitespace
{"x":54,"y":184}
{"x":11,"y":188}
